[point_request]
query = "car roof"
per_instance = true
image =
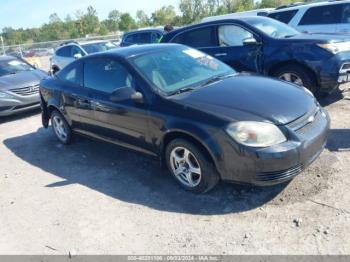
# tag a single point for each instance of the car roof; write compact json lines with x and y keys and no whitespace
{"x":7,"y":57}
{"x":93,"y":42}
{"x":309,"y":5}
{"x":238,"y":19}
{"x":237,"y":14}
{"x":134,"y":50}
{"x":82,"y":43}
{"x":145,"y":30}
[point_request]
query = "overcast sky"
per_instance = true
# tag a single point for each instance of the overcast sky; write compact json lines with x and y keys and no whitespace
{"x":33,"y":13}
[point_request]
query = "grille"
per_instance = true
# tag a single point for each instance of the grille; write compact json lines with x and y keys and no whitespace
{"x":309,"y":126}
{"x":278,"y":175}
{"x":345,"y":68}
{"x":305,"y":122}
{"x":26,"y":91}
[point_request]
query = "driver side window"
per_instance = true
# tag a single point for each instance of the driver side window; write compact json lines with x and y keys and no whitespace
{"x":232,"y":35}
{"x":106,"y":75}
{"x":76,"y":50}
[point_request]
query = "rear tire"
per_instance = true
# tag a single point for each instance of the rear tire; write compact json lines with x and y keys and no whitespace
{"x":297,"y":75}
{"x":190,"y":166}
{"x":61,"y":127}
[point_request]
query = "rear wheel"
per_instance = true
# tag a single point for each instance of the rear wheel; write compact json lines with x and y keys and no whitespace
{"x":61,"y":128}
{"x":297,"y":75}
{"x":190,"y":166}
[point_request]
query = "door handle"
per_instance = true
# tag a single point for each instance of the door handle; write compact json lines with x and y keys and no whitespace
{"x":220,"y":54}
{"x":83,"y":102}
{"x":99,"y":106}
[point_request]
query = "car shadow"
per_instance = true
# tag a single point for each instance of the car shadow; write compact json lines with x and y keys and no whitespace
{"x":331,"y":98}
{"x":338,"y":140}
{"x":19,"y":116}
{"x":129,"y":176}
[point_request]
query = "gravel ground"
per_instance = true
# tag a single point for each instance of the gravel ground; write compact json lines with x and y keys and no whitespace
{"x":95,"y":198}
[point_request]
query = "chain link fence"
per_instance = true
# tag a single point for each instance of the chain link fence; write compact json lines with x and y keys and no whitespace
{"x":39,"y":54}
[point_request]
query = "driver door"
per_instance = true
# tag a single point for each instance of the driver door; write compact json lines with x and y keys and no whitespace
{"x":116,"y":117}
{"x":238,"y":48}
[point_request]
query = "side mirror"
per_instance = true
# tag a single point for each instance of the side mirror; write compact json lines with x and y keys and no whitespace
{"x":125,"y":93}
{"x":137,"y":97}
{"x":250,"y":41}
{"x":77,"y":56}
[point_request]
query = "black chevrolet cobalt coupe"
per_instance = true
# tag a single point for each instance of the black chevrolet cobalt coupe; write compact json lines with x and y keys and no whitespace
{"x":193,"y":112}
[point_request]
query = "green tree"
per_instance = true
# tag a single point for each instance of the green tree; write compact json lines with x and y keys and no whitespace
{"x":192,"y":10}
{"x":112,"y":23}
{"x":103,"y":29}
{"x":274,"y":3}
{"x":142,"y":19}
{"x":126,"y":22}
{"x":164,"y":15}
{"x":90,"y":21}
{"x":54,"y":18}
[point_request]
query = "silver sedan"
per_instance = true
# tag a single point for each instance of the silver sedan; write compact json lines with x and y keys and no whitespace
{"x":19,"y":86}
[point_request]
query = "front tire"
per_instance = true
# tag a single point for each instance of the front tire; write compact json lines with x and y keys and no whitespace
{"x":297,"y":75}
{"x":190,"y":166}
{"x":61,"y":128}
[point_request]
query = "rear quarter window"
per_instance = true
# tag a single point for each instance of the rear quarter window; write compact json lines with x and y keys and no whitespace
{"x":73,"y":73}
{"x":64,"y":51}
{"x":284,"y":16}
{"x":201,"y":37}
{"x":138,"y":38}
{"x":322,"y":15}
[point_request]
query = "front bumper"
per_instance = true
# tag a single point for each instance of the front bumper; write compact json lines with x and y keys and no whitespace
{"x":276,"y":164}
{"x":335,"y":72}
{"x":17,"y":104}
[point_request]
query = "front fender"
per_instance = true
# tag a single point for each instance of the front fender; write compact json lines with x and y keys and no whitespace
{"x":305,"y":55}
{"x":205,"y":135}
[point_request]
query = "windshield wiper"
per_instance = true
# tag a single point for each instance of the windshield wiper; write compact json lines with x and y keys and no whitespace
{"x":182,"y":90}
{"x":289,"y":36}
{"x":205,"y":83}
{"x":215,"y":79}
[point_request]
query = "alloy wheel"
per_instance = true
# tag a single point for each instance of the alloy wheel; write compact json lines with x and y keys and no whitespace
{"x":290,"y":77}
{"x":60,"y":128}
{"x":185,"y":167}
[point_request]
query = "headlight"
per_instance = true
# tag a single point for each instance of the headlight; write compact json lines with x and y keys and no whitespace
{"x":335,"y":48}
{"x":5,"y":95}
{"x":256,"y":134}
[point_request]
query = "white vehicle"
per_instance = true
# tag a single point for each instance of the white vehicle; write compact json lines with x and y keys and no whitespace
{"x":320,"y":17}
{"x":70,"y":51}
{"x":260,"y":12}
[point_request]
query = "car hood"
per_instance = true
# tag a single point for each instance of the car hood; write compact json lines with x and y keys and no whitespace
{"x":242,"y":98}
{"x":322,"y":38}
{"x":22,"y":79}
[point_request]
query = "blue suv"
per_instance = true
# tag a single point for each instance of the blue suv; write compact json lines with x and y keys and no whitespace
{"x":268,"y":47}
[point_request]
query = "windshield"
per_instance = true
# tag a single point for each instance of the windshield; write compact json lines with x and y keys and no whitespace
{"x":273,"y":28}
{"x":98,"y":47}
{"x":13,"y":66}
{"x":176,"y":68}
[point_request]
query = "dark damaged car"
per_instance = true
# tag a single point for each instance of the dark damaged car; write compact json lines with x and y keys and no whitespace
{"x":268,"y":47}
{"x":196,"y":114}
